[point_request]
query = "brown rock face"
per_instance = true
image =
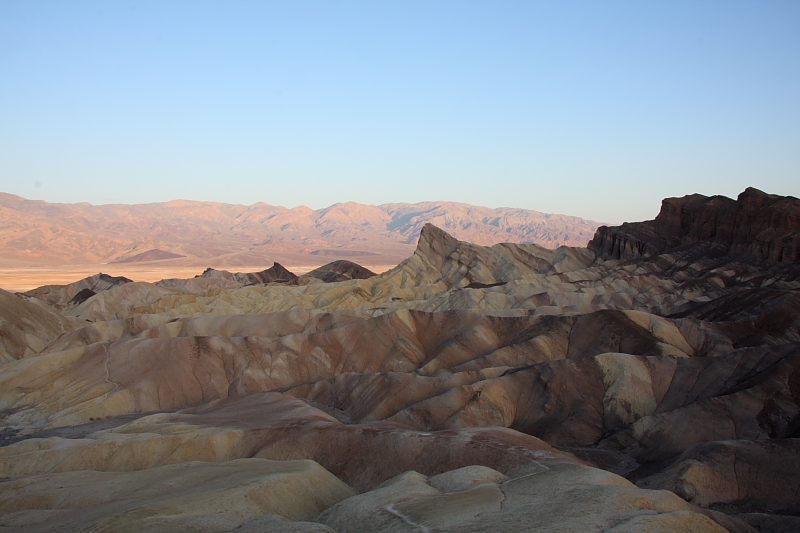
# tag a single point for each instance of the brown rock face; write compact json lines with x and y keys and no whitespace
{"x":341,"y":270}
{"x":277,"y":273}
{"x":758,"y":224}
{"x":27,"y":328}
{"x":59,"y":295}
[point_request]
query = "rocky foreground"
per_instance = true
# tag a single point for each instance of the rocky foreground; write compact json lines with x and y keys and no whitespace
{"x":649,"y":382}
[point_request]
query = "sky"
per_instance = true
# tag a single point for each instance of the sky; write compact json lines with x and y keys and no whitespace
{"x":593,"y":109}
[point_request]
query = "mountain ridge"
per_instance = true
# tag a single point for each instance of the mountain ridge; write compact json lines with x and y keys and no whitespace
{"x":58,"y":233}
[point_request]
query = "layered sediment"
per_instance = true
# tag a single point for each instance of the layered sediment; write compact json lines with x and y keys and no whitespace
{"x":648,"y":383}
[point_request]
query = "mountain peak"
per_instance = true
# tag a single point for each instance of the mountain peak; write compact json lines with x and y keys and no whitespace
{"x":435,"y":241}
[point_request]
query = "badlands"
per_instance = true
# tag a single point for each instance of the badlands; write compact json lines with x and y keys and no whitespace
{"x":647,"y":382}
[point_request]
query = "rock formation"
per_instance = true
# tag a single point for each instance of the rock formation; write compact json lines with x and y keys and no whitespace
{"x":651,"y":386}
{"x":275,"y":274}
{"x":60,"y":295}
{"x":758,"y":224}
{"x":341,"y":270}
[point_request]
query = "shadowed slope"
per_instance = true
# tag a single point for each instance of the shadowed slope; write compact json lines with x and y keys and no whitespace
{"x":762,"y":225}
{"x":26,"y":327}
{"x":60,"y":295}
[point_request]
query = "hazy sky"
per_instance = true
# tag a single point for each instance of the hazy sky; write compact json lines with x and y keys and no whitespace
{"x":597,"y":109}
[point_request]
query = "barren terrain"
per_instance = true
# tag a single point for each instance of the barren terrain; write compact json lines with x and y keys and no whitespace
{"x":646,"y":382}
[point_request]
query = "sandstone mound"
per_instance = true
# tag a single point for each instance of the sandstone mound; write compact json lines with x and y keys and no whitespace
{"x":341,"y":270}
{"x":26,"y":327}
{"x":258,"y":495}
{"x":563,"y":498}
{"x":275,"y":274}
{"x":191,"y":496}
{"x":60,"y":295}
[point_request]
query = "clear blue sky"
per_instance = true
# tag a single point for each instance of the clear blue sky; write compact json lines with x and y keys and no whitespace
{"x":595,"y":109}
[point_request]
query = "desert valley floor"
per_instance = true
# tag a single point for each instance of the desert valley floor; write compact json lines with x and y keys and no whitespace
{"x":648,"y":382}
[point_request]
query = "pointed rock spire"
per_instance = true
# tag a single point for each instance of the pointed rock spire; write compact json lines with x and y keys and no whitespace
{"x":435,"y":242}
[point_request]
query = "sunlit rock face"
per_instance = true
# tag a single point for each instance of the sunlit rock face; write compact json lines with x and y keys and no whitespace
{"x":471,"y":388}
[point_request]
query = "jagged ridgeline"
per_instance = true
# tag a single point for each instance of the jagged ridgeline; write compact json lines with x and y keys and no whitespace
{"x":649,"y":382}
{"x":192,"y":233}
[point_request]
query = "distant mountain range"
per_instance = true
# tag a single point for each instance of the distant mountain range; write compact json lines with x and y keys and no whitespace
{"x":188,"y":233}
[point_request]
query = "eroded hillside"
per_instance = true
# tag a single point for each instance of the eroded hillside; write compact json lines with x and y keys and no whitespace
{"x":650,"y":382}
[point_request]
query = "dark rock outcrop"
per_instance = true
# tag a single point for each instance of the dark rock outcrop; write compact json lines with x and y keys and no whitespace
{"x":277,"y":273}
{"x":759,"y":475}
{"x":763,"y":225}
{"x":61,"y":295}
{"x":81,"y":297}
{"x":341,"y":270}
{"x":771,"y":523}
